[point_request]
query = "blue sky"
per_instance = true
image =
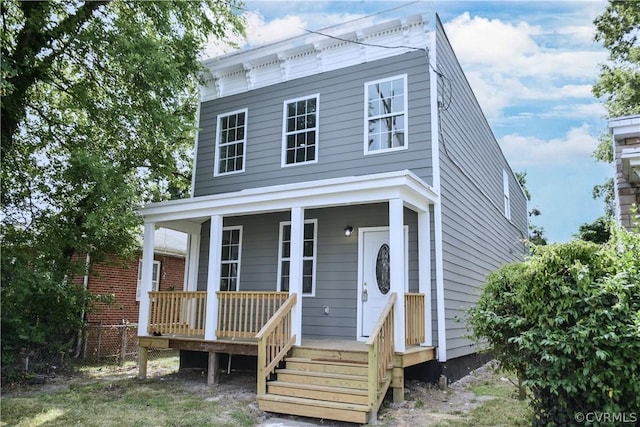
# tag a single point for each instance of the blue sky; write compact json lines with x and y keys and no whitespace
{"x":531,"y":65}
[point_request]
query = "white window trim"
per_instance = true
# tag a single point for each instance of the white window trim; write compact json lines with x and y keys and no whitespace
{"x":314,"y":257}
{"x":283,"y":151}
{"x":155,"y":284}
{"x":405,"y":113}
{"x":216,"y":165}
{"x":507,"y":197}
{"x":235,"y":227}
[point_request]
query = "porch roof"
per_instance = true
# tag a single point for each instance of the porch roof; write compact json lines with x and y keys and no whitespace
{"x":186,"y":214}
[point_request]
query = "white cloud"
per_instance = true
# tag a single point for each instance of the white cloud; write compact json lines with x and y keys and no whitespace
{"x":509,"y":63}
{"x":577,"y":144}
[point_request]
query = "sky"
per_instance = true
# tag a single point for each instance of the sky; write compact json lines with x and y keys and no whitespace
{"x":531,"y":65}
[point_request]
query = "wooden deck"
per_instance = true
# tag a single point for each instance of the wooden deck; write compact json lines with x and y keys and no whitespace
{"x":343,"y":380}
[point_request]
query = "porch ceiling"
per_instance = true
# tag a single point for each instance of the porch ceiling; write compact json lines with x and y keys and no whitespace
{"x":187,"y":214}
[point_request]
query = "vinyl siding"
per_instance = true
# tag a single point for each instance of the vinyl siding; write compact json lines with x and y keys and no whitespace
{"x":337,"y":258}
{"x":477,"y":237}
{"x":341,"y":128}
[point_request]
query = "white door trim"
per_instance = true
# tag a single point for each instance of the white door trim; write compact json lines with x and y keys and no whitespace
{"x":361,"y":231}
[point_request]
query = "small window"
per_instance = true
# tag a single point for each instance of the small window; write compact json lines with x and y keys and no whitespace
{"x":385,"y":115}
{"x":155,"y":278}
{"x":308,"y":257}
{"x":230,"y":263}
{"x":507,"y":200}
{"x":231,"y":141}
{"x":300,"y":131}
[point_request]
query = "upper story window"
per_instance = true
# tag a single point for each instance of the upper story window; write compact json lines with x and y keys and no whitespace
{"x":231,"y":142}
{"x":385,"y":126}
{"x":310,"y":234}
{"x":300,"y":131}
{"x":505,"y":190}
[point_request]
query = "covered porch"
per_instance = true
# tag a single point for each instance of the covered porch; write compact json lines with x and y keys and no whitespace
{"x":331,"y":261}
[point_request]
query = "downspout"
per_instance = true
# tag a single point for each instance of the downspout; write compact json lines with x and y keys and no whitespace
{"x":85,"y":286}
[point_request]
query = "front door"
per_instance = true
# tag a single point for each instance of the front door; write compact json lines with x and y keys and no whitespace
{"x":376,"y":284}
{"x":375,"y":287}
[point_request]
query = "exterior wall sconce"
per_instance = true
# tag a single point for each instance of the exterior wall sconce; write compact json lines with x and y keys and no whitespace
{"x":348,"y":230}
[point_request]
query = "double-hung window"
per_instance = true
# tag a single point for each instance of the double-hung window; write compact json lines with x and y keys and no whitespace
{"x":155,"y":277}
{"x":309,"y":250}
{"x":231,"y":142}
{"x":385,"y":105}
{"x":230,"y":258}
{"x":300,"y":131}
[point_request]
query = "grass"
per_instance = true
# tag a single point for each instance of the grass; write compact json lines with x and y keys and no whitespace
{"x":131,"y":402}
{"x":499,"y":407}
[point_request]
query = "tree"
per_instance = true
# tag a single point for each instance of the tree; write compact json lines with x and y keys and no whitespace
{"x":98,"y":108}
{"x":536,"y":233}
{"x":619,"y":82}
{"x":599,"y":231}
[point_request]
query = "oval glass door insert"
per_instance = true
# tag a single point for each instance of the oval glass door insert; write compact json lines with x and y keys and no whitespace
{"x":383,"y":268}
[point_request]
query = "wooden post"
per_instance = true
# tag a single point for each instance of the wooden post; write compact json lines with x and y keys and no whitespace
{"x":123,"y":347}
{"x":295,"y":269}
{"x":213,"y":277}
{"x":213,"y":375}
{"x":143,"y":356}
{"x":397,"y":259}
{"x":397,"y":382}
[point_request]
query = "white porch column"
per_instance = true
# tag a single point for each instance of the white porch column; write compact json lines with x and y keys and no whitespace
{"x":295,"y":269}
{"x":146,"y":278}
{"x":424,"y":271}
{"x":396,"y":256}
{"x":213,"y":277}
{"x":191,"y":263}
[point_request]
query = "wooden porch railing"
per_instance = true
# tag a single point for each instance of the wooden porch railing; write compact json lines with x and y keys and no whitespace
{"x":381,"y":351}
{"x":275,"y":339}
{"x":243,"y":314}
{"x":177,"y":313}
{"x":414,"y":319}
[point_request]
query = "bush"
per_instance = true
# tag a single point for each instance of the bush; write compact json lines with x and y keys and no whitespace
{"x":567,"y":320}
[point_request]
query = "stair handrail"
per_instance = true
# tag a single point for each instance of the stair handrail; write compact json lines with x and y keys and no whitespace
{"x":381,"y":350}
{"x":275,"y":339}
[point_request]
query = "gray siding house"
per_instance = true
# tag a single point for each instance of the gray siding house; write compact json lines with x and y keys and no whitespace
{"x":347,"y":198}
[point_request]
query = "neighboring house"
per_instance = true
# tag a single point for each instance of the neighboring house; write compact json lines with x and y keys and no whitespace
{"x":348,"y":202}
{"x":123,"y":282}
{"x":626,"y":152}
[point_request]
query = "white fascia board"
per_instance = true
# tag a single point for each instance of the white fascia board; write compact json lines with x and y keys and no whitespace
{"x":625,"y":127}
{"x":337,"y":47}
{"x":313,"y":194}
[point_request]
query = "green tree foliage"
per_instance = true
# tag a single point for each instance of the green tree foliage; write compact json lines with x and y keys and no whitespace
{"x":98,"y":110}
{"x":618,"y":29}
{"x":568,"y":321}
{"x":619,"y":82}
{"x":536,"y":233}
{"x":599,"y":231}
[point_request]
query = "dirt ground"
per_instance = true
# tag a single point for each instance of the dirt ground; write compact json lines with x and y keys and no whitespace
{"x":425,"y":404}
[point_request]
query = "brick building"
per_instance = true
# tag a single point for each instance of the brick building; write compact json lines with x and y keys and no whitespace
{"x":626,"y":137}
{"x":113,"y":332}
{"x":122,"y":282}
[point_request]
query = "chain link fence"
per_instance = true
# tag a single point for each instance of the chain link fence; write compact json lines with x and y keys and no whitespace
{"x":116,"y":344}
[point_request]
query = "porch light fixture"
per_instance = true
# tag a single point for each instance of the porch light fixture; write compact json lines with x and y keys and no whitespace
{"x":348,"y":230}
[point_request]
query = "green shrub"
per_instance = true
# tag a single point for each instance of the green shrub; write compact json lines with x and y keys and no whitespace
{"x":567,"y":320}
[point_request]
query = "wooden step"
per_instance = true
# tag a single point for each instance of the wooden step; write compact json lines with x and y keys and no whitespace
{"x":330,"y":355}
{"x":336,"y":367}
{"x":322,"y":378}
{"x":318,"y":392}
{"x":322,"y":409}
